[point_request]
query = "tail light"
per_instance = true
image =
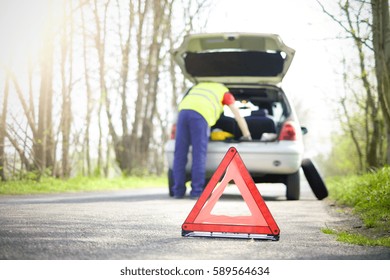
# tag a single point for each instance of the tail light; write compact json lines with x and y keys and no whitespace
{"x":288,"y":132}
{"x":173,"y":132}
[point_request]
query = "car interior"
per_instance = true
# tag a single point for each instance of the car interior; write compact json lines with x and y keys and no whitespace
{"x":264,"y":110}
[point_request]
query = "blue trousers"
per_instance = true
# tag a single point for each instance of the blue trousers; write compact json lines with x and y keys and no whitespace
{"x":191,"y":130}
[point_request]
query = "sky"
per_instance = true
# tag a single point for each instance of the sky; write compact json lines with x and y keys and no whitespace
{"x":313,"y":81}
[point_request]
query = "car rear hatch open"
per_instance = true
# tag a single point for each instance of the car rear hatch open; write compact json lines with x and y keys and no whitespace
{"x":234,"y":58}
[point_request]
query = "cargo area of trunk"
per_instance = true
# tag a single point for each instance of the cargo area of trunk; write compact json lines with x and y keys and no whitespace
{"x":264,"y":110}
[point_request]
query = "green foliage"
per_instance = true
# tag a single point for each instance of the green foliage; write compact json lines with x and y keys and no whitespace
{"x":368,"y":194}
{"x":328,"y":231}
{"x":358,"y":154}
{"x":52,"y":185}
{"x":139,"y":172}
{"x":358,"y":239}
{"x":343,"y":159}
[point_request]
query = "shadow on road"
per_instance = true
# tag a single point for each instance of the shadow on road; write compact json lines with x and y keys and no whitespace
{"x":84,"y":198}
{"x":135,"y":195}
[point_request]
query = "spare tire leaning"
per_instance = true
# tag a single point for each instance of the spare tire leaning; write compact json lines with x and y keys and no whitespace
{"x":314,"y":179}
{"x":170,"y":182}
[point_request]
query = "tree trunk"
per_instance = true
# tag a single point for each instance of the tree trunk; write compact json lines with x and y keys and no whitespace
{"x":373,"y":139}
{"x":100,"y":47}
{"x":381,"y":43}
{"x":66,"y":116}
{"x":372,"y":123}
{"x":89,"y":105}
{"x":3,"y":129}
{"x":43,"y":142}
{"x":122,"y":145}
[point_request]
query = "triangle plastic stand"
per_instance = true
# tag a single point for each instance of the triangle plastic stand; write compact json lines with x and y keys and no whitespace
{"x":201,"y":222}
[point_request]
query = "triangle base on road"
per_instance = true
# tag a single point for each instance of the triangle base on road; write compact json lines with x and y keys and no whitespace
{"x":201,"y":222}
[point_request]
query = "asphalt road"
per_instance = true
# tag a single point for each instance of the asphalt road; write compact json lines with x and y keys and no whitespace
{"x":145,"y":224}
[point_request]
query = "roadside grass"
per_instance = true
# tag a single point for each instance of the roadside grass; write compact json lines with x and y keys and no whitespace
{"x":358,"y":239}
{"x":77,"y":184}
{"x":369,"y":197}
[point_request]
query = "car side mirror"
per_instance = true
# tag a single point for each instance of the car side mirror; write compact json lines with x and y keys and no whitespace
{"x":304,"y":130}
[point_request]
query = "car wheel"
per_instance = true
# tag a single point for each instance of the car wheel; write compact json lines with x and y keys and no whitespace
{"x":314,"y":179}
{"x":293,"y":186}
{"x":170,"y":181}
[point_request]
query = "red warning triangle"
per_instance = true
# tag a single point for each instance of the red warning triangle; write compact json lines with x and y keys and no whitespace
{"x":201,"y":222}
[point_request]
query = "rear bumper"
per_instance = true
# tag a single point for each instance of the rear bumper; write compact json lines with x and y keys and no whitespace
{"x":260,"y":158}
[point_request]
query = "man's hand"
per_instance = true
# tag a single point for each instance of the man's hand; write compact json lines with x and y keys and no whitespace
{"x":245,"y":138}
{"x":241,"y":122}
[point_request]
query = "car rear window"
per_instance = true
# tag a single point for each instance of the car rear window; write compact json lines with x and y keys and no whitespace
{"x":235,"y":63}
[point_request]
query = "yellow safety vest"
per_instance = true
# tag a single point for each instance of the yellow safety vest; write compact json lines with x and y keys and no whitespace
{"x":206,"y":99}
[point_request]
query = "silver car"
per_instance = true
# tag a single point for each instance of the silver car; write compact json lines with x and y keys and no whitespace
{"x":252,"y":66}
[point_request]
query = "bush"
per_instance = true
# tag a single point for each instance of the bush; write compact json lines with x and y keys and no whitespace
{"x":368,"y":194}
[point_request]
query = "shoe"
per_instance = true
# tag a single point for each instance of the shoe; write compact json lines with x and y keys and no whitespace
{"x":194,"y":197}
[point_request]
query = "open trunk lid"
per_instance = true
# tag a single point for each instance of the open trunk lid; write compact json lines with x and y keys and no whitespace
{"x":234,"y":58}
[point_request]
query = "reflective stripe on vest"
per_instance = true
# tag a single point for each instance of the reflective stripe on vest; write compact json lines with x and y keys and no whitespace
{"x":206,"y":99}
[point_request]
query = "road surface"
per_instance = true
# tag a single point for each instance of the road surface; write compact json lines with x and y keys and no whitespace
{"x":145,"y":224}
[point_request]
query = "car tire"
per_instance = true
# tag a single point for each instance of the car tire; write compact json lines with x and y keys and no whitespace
{"x":170,"y":182}
{"x":293,"y":186}
{"x":314,"y":179}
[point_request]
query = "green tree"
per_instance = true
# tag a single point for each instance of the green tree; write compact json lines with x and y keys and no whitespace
{"x":362,"y":116}
{"x":381,"y":45}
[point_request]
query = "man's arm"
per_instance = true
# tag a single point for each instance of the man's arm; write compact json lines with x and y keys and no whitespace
{"x":241,"y":122}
